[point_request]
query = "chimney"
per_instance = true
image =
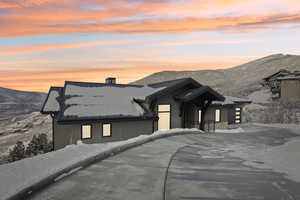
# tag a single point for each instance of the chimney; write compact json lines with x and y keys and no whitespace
{"x":110,"y":80}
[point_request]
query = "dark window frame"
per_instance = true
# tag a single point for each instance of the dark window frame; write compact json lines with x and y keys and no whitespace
{"x":110,"y":131}
{"x":91,"y":134}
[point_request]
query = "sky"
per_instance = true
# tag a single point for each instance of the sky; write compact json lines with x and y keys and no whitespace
{"x":45,"y":42}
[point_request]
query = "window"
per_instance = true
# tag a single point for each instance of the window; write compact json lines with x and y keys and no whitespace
{"x":106,"y":130}
{"x":218,"y":115}
{"x":86,"y":131}
{"x":238,"y":113}
{"x":164,"y":108}
{"x":199,"y":116}
{"x":164,"y":114}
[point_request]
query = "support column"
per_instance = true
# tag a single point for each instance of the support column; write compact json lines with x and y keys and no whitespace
{"x":204,"y":108}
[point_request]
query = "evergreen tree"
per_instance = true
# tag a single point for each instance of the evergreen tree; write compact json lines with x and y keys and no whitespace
{"x":17,"y":153}
{"x":44,"y":145}
{"x":33,"y":147}
{"x":38,"y":145}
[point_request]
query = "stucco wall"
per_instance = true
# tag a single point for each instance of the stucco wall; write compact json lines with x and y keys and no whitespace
{"x":65,"y":134}
{"x":175,"y":111}
{"x":290,"y":89}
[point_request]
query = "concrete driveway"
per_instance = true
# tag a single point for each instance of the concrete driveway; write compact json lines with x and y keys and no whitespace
{"x":196,"y":166}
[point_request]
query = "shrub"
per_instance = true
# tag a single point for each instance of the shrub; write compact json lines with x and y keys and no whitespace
{"x":17,"y":153}
{"x":38,"y":145}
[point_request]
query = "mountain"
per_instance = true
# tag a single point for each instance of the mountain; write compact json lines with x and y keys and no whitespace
{"x":15,"y":102}
{"x":241,"y":80}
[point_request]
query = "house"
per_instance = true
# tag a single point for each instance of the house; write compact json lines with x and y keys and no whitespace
{"x":106,"y":112}
{"x":226,"y":114}
{"x":284,"y":85}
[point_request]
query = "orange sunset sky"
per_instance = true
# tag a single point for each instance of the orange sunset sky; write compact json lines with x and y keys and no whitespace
{"x":45,"y":42}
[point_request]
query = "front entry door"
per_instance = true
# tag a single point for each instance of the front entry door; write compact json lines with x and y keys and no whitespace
{"x":164,"y":114}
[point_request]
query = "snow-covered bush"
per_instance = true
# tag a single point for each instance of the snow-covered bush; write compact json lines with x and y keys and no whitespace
{"x":17,"y":153}
{"x":38,"y":145}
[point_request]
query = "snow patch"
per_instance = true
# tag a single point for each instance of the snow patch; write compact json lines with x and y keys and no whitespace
{"x":284,"y":159}
{"x":295,"y":128}
{"x":236,"y":130}
{"x":105,"y":100}
{"x":261,"y":96}
{"x":52,"y":104}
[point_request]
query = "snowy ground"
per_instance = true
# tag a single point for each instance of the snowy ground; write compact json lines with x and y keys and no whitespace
{"x":293,"y":127}
{"x":236,"y":130}
{"x":22,"y":128}
{"x":17,"y":176}
{"x":194,"y":166}
{"x":284,"y":159}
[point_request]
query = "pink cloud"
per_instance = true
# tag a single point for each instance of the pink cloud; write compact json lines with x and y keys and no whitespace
{"x":42,"y":17}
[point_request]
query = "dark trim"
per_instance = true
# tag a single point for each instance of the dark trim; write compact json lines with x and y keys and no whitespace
{"x":91,"y":132}
{"x":53,"y":145}
{"x":153,"y":124}
{"x":198,"y":92}
{"x":105,"y":120}
{"x":171,"y":88}
{"x":110,"y":130}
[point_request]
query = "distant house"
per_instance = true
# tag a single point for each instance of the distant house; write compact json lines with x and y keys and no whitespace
{"x":284,"y":85}
{"x":228,"y":113}
{"x":105,"y":112}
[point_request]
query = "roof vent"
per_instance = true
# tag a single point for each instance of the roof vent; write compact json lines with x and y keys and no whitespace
{"x":110,"y":80}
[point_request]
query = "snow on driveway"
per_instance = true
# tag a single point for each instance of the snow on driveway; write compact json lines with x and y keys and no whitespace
{"x":293,"y":127}
{"x":284,"y":158}
{"x":236,"y":130}
{"x":18,"y":176}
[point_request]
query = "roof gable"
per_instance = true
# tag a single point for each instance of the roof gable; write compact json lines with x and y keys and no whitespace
{"x":231,"y":100}
{"x":173,"y":85}
{"x":52,"y":101}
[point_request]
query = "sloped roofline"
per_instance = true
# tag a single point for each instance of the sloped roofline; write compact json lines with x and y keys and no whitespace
{"x":56,"y":88}
{"x":168,"y":86}
{"x":180,"y":83}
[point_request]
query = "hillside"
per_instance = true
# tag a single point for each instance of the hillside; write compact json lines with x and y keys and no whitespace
{"x":14,"y":102}
{"x":241,"y":80}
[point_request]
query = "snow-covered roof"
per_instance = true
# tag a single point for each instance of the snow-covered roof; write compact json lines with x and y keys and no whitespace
{"x":52,"y":100}
{"x":231,"y":100}
{"x":104,"y":100}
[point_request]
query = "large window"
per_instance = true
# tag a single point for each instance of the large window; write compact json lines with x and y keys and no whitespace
{"x":199,"y":116}
{"x":106,"y":130}
{"x":238,"y":113}
{"x":164,"y":114}
{"x":218,"y":115}
{"x":86,"y":131}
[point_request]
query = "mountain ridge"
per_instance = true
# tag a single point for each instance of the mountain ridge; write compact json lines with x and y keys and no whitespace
{"x":15,"y":102}
{"x":240,"y":80}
